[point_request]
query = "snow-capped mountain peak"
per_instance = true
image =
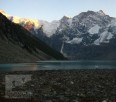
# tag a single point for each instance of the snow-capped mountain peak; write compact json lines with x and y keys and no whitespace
{"x":101,"y":13}
{"x":4,"y":13}
{"x":65,"y":18}
{"x":20,"y":20}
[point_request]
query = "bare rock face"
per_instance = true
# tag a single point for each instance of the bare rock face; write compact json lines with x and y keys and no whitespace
{"x":29,"y":25}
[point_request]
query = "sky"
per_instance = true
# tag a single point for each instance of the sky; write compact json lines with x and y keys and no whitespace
{"x":55,"y":9}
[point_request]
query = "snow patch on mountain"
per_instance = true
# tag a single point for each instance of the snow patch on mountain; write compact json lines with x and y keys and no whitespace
{"x":75,"y":41}
{"x":113,"y":23}
{"x":110,"y":36}
{"x":94,"y":30}
{"x":16,"y":19}
{"x":104,"y":38}
{"x":97,"y":42}
{"x":70,"y":22}
{"x":50,"y":28}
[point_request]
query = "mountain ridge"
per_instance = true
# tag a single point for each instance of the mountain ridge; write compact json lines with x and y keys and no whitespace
{"x":49,"y":28}
{"x":19,"y":45}
{"x":93,"y":31}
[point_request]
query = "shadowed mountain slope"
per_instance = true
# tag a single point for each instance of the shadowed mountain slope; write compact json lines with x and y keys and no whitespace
{"x":18,"y":45}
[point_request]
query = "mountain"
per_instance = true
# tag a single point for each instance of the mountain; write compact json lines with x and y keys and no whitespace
{"x":33,"y":24}
{"x":19,"y":45}
{"x":89,"y":35}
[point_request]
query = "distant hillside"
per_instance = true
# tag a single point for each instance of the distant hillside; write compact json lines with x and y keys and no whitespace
{"x":18,"y":45}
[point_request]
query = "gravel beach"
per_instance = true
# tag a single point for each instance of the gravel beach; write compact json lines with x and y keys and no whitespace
{"x":92,"y":85}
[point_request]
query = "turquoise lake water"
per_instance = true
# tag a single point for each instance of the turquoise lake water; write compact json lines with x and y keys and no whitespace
{"x":59,"y":65}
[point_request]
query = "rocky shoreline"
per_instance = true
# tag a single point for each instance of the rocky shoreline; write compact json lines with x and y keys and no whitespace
{"x":92,"y":85}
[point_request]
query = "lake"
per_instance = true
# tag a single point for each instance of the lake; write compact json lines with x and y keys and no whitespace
{"x":58,"y":65}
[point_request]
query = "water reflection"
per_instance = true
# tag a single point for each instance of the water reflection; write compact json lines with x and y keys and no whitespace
{"x":19,"y":67}
{"x":59,"y":65}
